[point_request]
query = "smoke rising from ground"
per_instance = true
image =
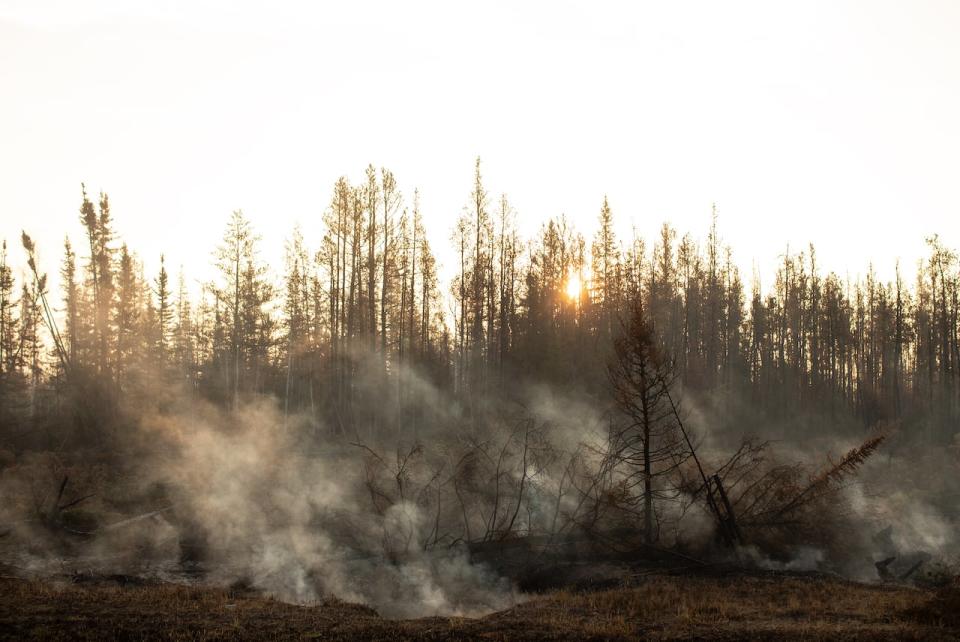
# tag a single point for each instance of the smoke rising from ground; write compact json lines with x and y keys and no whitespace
{"x":250,"y":497}
{"x":298,"y":523}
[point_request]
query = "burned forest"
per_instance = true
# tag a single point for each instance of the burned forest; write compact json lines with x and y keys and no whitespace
{"x":565,"y":412}
{"x":455,"y":320}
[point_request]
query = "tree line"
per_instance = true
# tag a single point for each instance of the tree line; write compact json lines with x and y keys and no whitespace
{"x":357,"y":331}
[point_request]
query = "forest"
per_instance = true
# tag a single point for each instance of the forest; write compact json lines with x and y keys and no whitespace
{"x":342,"y":333}
{"x":351,"y":424}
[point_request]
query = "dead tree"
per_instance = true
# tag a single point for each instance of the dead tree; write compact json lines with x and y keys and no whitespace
{"x":648,"y":442}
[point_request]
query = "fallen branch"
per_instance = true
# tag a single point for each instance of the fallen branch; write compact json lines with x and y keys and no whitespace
{"x":130,"y":520}
{"x":847,"y":466}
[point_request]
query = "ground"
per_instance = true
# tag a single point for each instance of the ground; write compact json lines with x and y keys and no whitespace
{"x":731,"y":606}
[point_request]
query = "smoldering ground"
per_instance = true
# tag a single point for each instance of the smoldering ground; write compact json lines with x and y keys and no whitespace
{"x":244,"y":498}
{"x":252,"y":497}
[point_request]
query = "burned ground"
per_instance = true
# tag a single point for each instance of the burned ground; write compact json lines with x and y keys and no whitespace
{"x":720,"y":604}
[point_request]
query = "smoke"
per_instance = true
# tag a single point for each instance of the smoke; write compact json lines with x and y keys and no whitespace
{"x":239,"y":497}
{"x":802,"y":558}
{"x":299,"y":524}
{"x":249,"y":496}
{"x":896,"y":518}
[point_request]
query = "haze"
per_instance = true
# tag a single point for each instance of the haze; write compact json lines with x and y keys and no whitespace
{"x":827,"y":122}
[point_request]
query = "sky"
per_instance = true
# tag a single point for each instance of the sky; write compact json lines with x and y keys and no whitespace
{"x":836,"y":123}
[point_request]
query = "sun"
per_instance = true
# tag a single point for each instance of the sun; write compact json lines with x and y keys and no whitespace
{"x":574,"y":285}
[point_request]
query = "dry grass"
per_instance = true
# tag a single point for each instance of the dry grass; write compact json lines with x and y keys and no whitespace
{"x":660,"y":607}
{"x":740,"y":607}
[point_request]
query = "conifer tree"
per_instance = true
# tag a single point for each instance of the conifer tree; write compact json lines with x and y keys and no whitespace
{"x":164,"y":311}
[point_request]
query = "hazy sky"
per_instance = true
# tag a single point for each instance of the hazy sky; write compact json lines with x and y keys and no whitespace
{"x":832,"y":122}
